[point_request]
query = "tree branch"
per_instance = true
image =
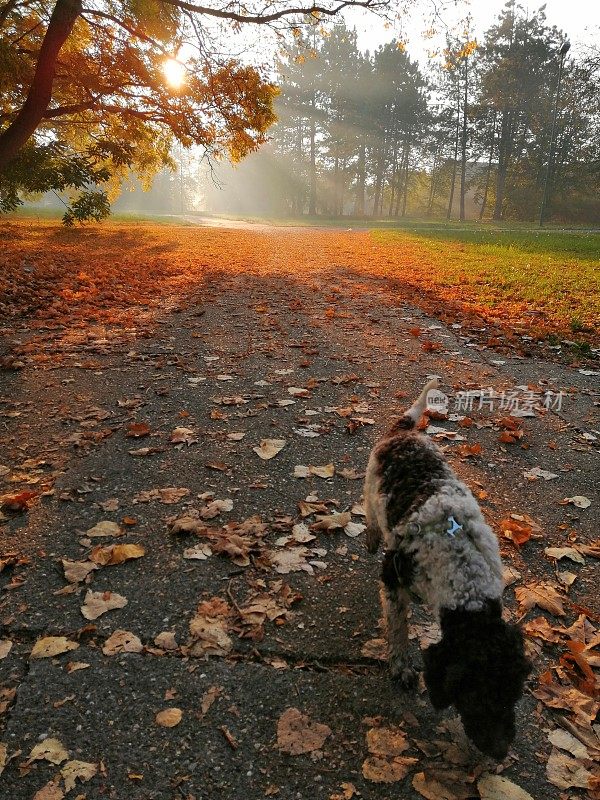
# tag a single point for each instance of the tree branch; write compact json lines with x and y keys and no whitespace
{"x":38,"y":99}
{"x":262,"y":19}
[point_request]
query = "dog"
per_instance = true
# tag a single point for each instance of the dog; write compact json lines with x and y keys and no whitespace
{"x":440,"y":550}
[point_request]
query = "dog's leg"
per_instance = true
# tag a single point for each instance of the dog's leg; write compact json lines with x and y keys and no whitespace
{"x":396,"y":576}
{"x":373,"y":537}
{"x":394,"y":601}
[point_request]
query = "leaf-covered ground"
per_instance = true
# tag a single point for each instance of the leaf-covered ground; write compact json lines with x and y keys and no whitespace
{"x":187,"y":606}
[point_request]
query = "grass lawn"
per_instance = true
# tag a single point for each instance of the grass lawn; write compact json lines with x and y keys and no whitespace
{"x":541,"y":280}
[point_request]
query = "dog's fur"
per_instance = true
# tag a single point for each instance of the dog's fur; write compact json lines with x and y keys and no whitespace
{"x":479,"y":666}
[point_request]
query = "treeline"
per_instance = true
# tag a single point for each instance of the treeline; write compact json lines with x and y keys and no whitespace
{"x":371,"y":134}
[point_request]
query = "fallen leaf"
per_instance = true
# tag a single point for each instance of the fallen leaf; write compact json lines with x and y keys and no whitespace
{"x":579,"y":501}
{"x":565,"y":552}
{"x":105,"y":528}
{"x":16,"y":502}
{"x":354,"y":529}
{"x":540,"y":628}
{"x":208,"y":698}
{"x":183,"y":436}
{"x":51,"y":750}
{"x":199,"y":552}
{"x":51,"y":646}
{"x":517,"y":532}
{"x":325,"y":471}
{"x":297,"y":733}
{"x":97,"y":603}
{"x":539,"y":594}
{"x":535,"y":473}
{"x":77,"y":571}
{"x":3,"y":756}
{"x":75,"y":770}
{"x":495,"y":787}
{"x":51,"y":791}
{"x":434,"y":787}
{"x":5,"y":647}
{"x":566,"y":741}
{"x":136,"y":430}
{"x":566,"y":772}
{"x":169,"y":717}
{"x":387,"y":741}
{"x":116,"y":554}
{"x":293,"y":560}
{"x":122,"y":642}
{"x":330,"y":522}
{"x":387,"y":770}
{"x":269,"y":448}
{"x":166,"y":641}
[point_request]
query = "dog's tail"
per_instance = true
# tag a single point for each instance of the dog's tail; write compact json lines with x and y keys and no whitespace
{"x":411,"y":416}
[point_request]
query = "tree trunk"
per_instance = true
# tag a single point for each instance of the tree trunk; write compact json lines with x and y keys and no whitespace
{"x":488,"y":171}
{"x":24,"y":125}
{"x":503,"y":156}
{"x":359,"y":208}
{"x":432,"y":185}
{"x":456,"y":138}
{"x":406,"y":174}
{"x":312,"y":203}
{"x":463,"y":155}
{"x":378,"y":180}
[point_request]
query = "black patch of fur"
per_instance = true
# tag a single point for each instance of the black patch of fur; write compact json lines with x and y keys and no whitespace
{"x":480,"y":668}
{"x":409,"y":473}
{"x":397,"y":569}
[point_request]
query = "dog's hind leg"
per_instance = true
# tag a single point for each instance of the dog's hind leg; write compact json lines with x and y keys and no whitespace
{"x":394,"y":602}
{"x":373,"y":535}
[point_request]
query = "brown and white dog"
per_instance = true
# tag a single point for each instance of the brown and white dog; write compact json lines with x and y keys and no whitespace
{"x":439,"y":548}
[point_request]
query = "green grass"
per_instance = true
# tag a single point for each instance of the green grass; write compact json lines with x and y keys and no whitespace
{"x":553,"y":274}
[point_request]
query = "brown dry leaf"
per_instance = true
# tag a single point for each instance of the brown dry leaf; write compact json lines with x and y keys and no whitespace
{"x":517,"y":532}
{"x":293,"y":560}
{"x":122,"y":642}
{"x":105,"y":528}
{"x":269,"y":448}
{"x":565,"y":552}
{"x":3,"y":756}
{"x":51,"y":750}
{"x":325,"y":471}
{"x":387,"y":770}
{"x":73,"y":666}
{"x":51,"y":791}
{"x":137,"y":429}
{"x":116,"y":554}
{"x":183,"y":436}
{"x":5,"y":647}
{"x":110,"y":505}
{"x":330,"y":522}
{"x":75,"y":770}
{"x":169,"y":717}
{"x":566,"y":772}
{"x":172,"y":494}
{"x":540,"y":628}
{"x":199,"y":552}
{"x":566,"y":741}
{"x":434,"y":787}
{"x":297,"y":733}
{"x":349,"y":790}
{"x":166,"y":641}
{"x":387,"y":741}
{"x":579,"y":501}
{"x":209,"y":628}
{"x":97,"y":603}
{"x":554,"y":695}
{"x":539,"y":594}
{"x":208,"y":698}
{"x":51,"y":646}
{"x":495,"y":787}
{"x":77,"y":571}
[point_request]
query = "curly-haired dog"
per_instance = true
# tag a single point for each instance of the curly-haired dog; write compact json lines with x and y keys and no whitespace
{"x":439,"y":548}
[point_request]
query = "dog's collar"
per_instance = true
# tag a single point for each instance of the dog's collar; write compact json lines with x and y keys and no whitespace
{"x":453,"y":527}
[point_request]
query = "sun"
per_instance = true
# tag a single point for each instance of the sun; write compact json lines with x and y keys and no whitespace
{"x":174,"y":72}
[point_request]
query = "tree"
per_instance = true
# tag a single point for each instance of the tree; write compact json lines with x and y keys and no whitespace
{"x":90,"y":82}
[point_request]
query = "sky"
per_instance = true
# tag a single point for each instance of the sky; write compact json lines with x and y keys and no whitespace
{"x":580,"y":19}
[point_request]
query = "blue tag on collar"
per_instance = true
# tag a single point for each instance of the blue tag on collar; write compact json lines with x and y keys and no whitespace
{"x":454,"y":527}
